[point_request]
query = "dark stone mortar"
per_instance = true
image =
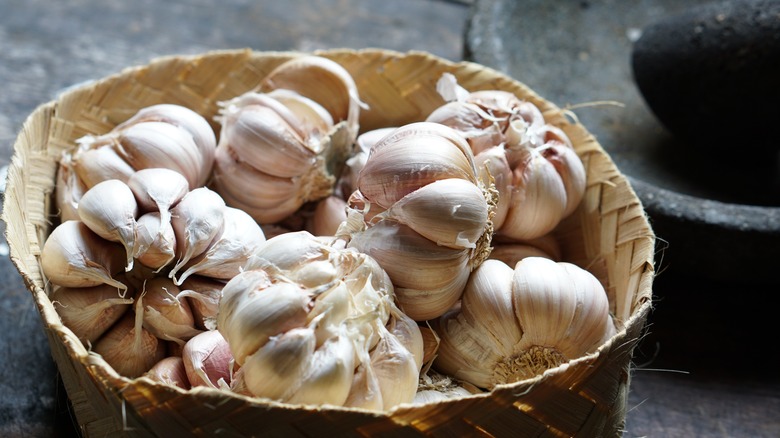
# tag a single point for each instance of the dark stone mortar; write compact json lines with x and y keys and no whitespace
{"x":716,"y":215}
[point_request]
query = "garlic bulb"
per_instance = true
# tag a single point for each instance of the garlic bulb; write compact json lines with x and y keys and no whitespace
{"x":166,"y":135}
{"x":304,"y":316}
{"x":433,"y":223}
{"x":74,"y":256}
{"x":515,"y":324}
{"x":203,"y":295}
{"x":283,"y":144}
{"x":110,"y":209}
{"x":540,"y":179}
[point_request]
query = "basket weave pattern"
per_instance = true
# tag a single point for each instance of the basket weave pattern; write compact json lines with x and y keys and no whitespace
{"x":608,"y":235}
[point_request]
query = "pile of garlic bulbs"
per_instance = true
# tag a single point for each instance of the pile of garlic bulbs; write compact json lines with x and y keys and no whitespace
{"x":289,"y":258}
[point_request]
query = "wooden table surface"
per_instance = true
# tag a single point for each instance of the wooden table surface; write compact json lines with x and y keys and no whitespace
{"x":707,"y":366}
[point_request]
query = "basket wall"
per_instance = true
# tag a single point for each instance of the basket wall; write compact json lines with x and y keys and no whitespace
{"x":608,"y":235}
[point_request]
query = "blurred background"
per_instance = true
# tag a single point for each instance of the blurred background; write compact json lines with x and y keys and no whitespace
{"x":705,"y":366}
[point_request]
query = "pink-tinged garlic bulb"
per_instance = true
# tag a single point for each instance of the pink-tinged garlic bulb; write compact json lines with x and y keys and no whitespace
{"x":427,"y":217}
{"x":513,"y":324}
{"x":306,"y":315}
{"x":540,"y":180}
{"x":283,"y":144}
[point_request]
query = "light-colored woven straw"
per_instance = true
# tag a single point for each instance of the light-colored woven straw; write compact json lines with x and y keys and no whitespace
{"x":608,"y":235}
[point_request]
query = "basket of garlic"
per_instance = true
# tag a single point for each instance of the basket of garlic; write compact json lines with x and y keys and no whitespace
{"x":354,"y":243}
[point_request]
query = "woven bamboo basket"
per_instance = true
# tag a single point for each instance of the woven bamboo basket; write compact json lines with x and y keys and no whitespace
{"x":609,"y":235}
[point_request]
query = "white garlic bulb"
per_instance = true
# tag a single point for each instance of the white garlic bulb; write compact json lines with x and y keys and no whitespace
{"x":515,"y":324}
{"x":283,"y":144}
{"x":540,"y":179}
{"x":304,"y":316}
{"x":427,"y":218}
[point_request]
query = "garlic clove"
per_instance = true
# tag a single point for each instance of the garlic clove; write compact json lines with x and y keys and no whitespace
{"x":248,"y":320}
{"x":572,"y":173}
{"x":430,"y":345}
{"x":365,"y":392}
{"x":491,"y":308}
{"x":74,"y":256}
{"x":428,"y":278}
{"x":266,"y":141}
{"x":268,"y":199}
{"x":192,"y":122}
{"x":169,"y":371}
{"x":538,"y":200}
{"x":207,"y":359}
{"x":203,"y":294}
{"x":311,"y":116}
{"x":129,"y":348}
{"x":329,"y":375}
{"x":450,"y":212}
{"x":347,"y":182}
{"x":165,"y":314}
{"x":321,"y":80}
{"x":155,"y":246}
{"x":197,"y":220}
{"x":152,"y":144}
{"x":89,"y":311}
{"x":99,"y":164}
{"x":277,"y":368}
{"x":591,"y":323}
{"x":331,"y":308}
{"x":328,"y":215}
{"x":396,"y":370}
{"x":480,"y":129}
{"x":408,"y":333}
{"x":68,"y":189}
{"x":240,"y":238}
{"x":411,"y":157}
{"x":158,"y":189}
{"x":493,"y":169}
{"x":110,"y":209}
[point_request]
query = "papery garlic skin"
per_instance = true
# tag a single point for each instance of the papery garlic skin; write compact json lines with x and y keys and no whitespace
{"x":515,"y":324}
{"x":90,"y":311}
{"x":304,"y":316}
{"x":433,"y":223}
